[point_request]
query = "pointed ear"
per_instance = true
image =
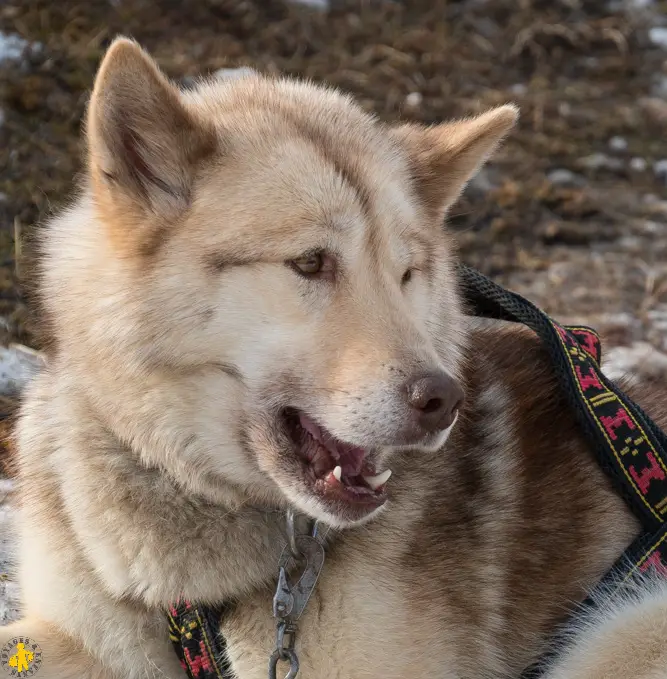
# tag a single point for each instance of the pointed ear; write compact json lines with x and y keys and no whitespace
{"x":143,"y":144}
{"x":443,"y":158}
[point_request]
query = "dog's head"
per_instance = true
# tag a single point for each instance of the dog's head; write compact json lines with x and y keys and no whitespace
{"x":274,"y":259}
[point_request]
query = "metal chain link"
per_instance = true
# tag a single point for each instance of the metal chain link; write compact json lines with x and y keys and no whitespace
{"x":289,"y":600}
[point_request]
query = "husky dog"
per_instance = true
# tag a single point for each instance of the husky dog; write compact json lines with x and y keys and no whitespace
{"x":254,"y":309}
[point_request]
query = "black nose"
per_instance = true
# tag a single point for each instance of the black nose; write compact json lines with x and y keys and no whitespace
{"x":436,"y":398}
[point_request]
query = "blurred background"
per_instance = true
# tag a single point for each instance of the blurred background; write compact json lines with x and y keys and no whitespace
{"x":572,"y":212}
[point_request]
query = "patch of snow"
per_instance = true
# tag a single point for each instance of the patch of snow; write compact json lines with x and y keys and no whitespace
{"x":12,"y":46}
{"x":634,"y":361}
{"x":658,"y":36}
{"x":9,"y":591}
{"x":18,"y":365}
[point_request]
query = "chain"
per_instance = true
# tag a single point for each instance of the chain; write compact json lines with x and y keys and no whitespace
{"x":290,"y":600}
{"x":284,"y":652}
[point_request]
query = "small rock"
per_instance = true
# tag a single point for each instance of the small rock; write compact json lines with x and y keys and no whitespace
{"x":660,"y":169}
{"x":638,"y":164}
{"x":653,"y":228}
{"x":655,"y":109}
{"x":659,"y":88}
{"x":564,"y":109}
{"x":631,"y":243}
{"x":618,"y":144}
{"x":600,"y":161}
{"x":658,"y":208}
{"x":519,"y":89}
{"x":563,"y":177}
{"x":231,"y":73}
{"x":658,"y":317}
{"x":658,"y":36}
{"x":486,"y":27}
{"x":414,"y":99}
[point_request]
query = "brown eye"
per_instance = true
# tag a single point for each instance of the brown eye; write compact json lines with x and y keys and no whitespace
{"x":310,"y":264}
{"x":406,"y":277}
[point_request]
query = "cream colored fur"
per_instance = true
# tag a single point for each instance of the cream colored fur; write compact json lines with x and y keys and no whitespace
{"x":150,"y":463}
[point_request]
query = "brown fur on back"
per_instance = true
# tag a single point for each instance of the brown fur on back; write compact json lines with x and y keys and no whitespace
{"x":527,"y":518}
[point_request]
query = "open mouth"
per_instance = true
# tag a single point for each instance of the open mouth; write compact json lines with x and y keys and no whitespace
{"x":337,"y":472}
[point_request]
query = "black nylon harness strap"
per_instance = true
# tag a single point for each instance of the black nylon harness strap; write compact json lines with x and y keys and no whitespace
{"x":628,"y":445}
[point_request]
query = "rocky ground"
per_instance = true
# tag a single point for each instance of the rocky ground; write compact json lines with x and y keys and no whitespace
{"x":572,"y":212}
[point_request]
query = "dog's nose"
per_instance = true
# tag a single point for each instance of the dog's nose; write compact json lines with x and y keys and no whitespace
{"x":436,"y":398}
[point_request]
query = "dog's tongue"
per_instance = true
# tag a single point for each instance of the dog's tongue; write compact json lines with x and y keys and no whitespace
{"x":349,"y":457}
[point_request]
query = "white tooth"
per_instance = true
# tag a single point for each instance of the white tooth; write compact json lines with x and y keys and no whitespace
{"x":337,"y":472}
{"x":379,"y":480}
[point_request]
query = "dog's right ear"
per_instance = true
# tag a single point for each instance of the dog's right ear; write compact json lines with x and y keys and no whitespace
{"x":143,"y":143}
{"x":444,"y":157}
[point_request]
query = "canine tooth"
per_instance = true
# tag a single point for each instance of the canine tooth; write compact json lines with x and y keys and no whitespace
{"x":378,"y":480}
{"x":337,"y":472}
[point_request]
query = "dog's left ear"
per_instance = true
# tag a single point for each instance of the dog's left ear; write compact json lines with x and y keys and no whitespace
{"x":443,"y":158}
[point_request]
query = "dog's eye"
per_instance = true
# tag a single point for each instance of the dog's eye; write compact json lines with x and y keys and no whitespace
{"x":310,"y":265}
{"x":406,"y":277}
